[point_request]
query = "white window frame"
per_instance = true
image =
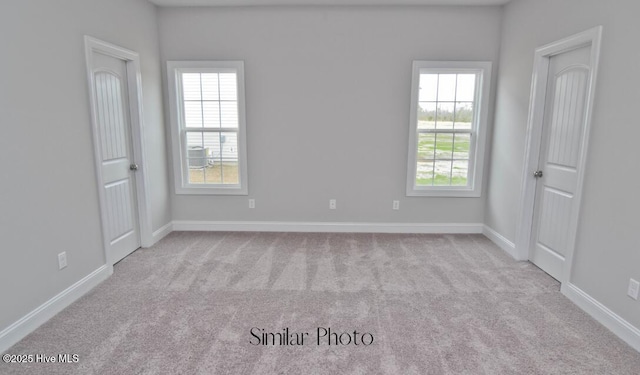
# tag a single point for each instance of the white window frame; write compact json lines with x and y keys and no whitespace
{"x":478,"y":131}
{"x":178,"y":129}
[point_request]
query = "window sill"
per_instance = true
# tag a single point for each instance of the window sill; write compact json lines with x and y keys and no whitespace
{"x":444,"y":193}
{"x":211,"y":191}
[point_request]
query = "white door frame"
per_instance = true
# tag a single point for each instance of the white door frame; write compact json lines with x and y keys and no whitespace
{"x":134,"y":86}
{"x":533,"y":142}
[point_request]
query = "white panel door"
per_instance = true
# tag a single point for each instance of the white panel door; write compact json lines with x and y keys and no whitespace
{"x":115,"y":142}
{"x":563,"y":129}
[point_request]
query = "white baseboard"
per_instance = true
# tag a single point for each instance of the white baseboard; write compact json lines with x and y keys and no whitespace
{"x":276,"y":226}
{"x":500,"y":240}
{"x":28,"y":323}
{"x":161,"y":233}
{"x":615,"y":323}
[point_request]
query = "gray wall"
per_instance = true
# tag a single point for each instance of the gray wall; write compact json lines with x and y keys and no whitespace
{"x":608,"y":247}
{"x":48,"y":195}
{"x":327,"y":92}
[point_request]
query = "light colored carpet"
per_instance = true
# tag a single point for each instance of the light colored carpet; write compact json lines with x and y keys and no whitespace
{"x":434,"y":304}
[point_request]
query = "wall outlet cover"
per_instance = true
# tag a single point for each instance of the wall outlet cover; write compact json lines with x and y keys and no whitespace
{"x":62,"y":260}
{"x":634,"y":287}
{"x":396,"y":205}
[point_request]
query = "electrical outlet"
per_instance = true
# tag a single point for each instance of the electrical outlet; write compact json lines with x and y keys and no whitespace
{"x":252,"y":203}
{"x":396,"y":205}
{"x":332,"y":204}
{"x":62,"y":260}
{"x":634,"y":287}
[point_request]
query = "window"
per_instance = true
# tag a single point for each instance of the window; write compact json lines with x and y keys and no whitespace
{"x":208,"y":126}
{"x":448,"y":119}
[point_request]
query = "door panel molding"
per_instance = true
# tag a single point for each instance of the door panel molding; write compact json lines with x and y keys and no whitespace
{"x":533,"y":142}
{"x":134,"y":86}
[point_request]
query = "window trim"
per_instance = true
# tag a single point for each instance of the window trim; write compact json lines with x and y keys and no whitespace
{"x":180,"y":169}
{"x":478,"y":132}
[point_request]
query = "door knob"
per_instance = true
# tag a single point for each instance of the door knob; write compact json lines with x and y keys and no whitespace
{"x":133,"y":167}
{"x":537,"y":174}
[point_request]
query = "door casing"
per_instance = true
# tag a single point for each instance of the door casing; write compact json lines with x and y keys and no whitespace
{"x":591,"y":37}
{"x":134,"y":86}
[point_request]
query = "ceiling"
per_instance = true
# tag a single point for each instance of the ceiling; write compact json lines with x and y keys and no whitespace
{"x":177,"y":3}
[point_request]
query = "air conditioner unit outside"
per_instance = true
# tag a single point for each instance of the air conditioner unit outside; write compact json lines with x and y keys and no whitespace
{"x":197,"y":157}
